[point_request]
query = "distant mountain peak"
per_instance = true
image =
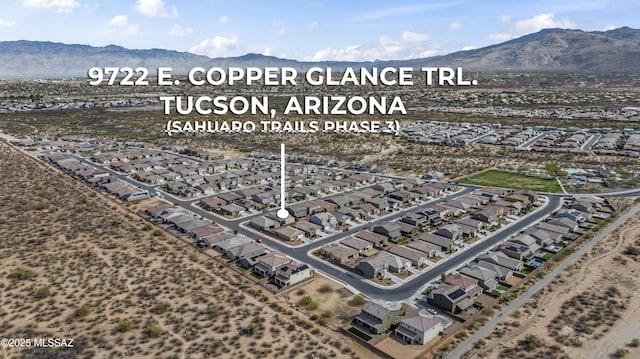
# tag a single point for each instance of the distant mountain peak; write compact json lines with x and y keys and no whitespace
{"x":616,"y":50}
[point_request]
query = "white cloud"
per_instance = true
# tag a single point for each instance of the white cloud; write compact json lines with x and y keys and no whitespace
{"x":119,"y":20}
{"x":505,"y":18}
{"x":223,"y":20}
{"x":63,"y":6}
{"x":132,"y":29}
{"x":6,"y":23}
{"x":177,"y":30}
{"x":407,"y":45}
{"x":542,"y":21}
{"x":154,"y":8}
{"x":609,"y":27}
{"x":313,"y":24}
{"x":455,"y":26}
{"x":408,"y":36}
{"x":267,"y":51}
{"x":467,"y":48}
{"x":216,"y":46}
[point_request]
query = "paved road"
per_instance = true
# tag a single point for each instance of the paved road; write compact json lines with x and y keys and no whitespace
{"x":590,"y":142}
{"x":522,"y":299}
{"x":531,"y":141}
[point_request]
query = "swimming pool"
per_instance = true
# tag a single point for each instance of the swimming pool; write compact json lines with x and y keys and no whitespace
{"x":535,"y":263}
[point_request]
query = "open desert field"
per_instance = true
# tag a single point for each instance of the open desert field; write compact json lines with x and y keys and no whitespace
{"x":76,"y":265}
{"x":589,"y":312}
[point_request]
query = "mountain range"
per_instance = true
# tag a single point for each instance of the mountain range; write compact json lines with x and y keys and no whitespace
{"x":616,"y":50}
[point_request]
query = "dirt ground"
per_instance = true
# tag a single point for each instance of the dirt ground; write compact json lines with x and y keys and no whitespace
{"x":75,"y":264}
{"x":560,"y":321}
{"x":330,"y":296}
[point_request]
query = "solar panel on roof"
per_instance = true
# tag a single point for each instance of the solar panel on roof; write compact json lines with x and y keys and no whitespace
{"x":457,"y":294}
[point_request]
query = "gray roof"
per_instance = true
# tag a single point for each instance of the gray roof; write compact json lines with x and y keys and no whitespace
{"x":378,"y":309}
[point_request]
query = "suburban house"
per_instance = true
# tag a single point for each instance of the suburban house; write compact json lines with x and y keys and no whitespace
{"x":565,"y":222}
{"x":417,"y":258}
{"x":378,"y":240}
{"x":415,"y":219}
{"x":451,"y":231}
{"x":445,"y":244}
{"x":501,"y":259}
{"x":292,"y":274}
{"x":468,"y":284}
{"x":549,"y":227}
{"x":338,"y":254}
{"x":373,"y":267}
{"x":325,"y":220}
{"x":207,"y":230}
{"x":263,"y":223}
{"x":519,"y":251}
{"x":487,"y":215}
{"x":358,"y":244}
{"x":377,"y":316}
{"x":390,"y":230}
{"x":433,"y":217}
{"x":486,"y":277}
{"x":396,"y":264}
{"x":450,"y":297}
{"x":268,"y":264}
{"x":542,"y":237}
{"x":429,"y":249}
{"x":227,"y":244}
{"x":572,"y":214}
{"x":247,"y":250}
{"x":418,"y":327}
{"x":502,"y":273}
{"x":309,"y":229}
{"x":289,"y":234}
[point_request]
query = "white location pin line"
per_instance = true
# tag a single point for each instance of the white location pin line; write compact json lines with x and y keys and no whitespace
{"x":282,"y":212}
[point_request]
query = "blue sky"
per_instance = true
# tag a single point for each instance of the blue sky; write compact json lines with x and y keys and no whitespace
{"x":304,"y":29}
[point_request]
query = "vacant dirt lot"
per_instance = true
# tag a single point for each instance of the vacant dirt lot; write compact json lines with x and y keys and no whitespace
{"x":589,"y":312}
{"x":76,"y":265}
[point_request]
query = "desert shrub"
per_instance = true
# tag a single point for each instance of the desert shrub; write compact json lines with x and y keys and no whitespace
{"x":83,"y":310}
{"x":213,"y":311}
{"x":325,"y":289}
{"x":635,"y":343}
{"x":21,"y":273}
{"x":160,"y":307}
{"x":157,"y":232}
{"x":43,"y":292}
{"x":358,"y":300}
{"x":305,"y":301}
{"x":327,"y":314}
{"x":153,"y":331}
{"x":124,"y":325}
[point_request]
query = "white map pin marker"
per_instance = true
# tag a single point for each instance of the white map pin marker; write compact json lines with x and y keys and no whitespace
{"x":282,"y":212}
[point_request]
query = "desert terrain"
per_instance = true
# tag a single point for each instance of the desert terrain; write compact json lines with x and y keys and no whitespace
{"x":588,"y":312}
{"x":78,"y":265}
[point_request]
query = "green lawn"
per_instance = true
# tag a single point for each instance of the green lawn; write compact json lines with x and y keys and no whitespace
{"x":360,"y":334}
{"x":547,"y":256}
{"x":503,"y":288}
{"x":512,"y":180}
{"x":402,"y":240}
